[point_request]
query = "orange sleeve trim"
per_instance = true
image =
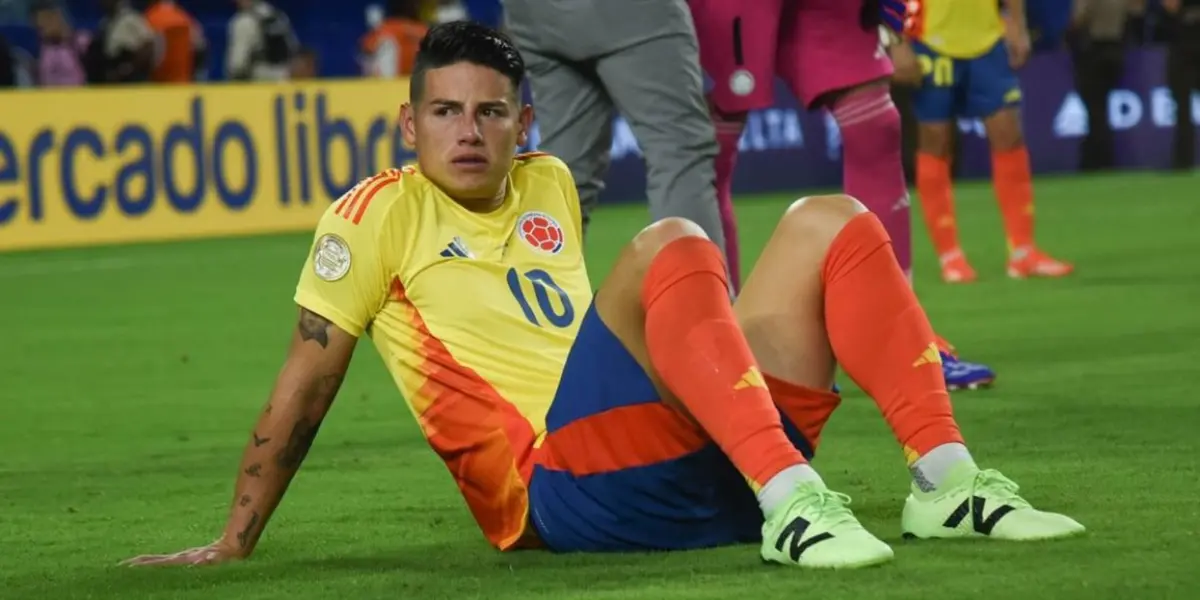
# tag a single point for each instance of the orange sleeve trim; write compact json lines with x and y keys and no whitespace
{"x":362,"y":198}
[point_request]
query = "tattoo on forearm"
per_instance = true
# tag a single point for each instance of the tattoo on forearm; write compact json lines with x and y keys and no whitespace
{"x":314,"y":327}
{"x":298,"y":444}
{"x":305,"y":429}
{"x":269,"y":407}
{"x":243,"y":537}
{"x":259,"y":441}
{"x":254,"y":469}
{"x":244,"y":500}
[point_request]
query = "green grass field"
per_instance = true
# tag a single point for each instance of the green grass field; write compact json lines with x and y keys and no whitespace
{"x":130,"y":376}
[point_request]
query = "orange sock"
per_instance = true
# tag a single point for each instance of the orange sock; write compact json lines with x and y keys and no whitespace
{"x":698,"y":348}
{"x":937,"y":202}
{"x":883,"y":340}
{"x":1013,"y":183}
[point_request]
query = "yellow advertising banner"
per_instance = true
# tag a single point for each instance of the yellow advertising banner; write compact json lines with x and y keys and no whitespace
{"x":96,"y":166}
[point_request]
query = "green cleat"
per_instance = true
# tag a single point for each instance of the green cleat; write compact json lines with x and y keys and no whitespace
{"x":815,"y":529}
{"x":981,"y":503}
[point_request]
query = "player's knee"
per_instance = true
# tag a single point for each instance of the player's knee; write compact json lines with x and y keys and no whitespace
{"x":820,"y":217}
{"x":1005,"y":140}
{"x":869,"y":105}
{"x":1004,"y":130}
{"x":622,"y":290}
{"x":657,"y":235}
{"x":934,"y":140}
{"x":879,"y":137}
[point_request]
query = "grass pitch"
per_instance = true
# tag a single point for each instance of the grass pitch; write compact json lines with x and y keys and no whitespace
{"x":130,"y":377}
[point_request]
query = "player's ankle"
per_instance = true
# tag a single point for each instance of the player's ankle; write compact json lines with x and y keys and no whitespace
{"x":940,"y":467}
{"x":779,"y":488}
{"x":1020,"y":252}
{"x":951,"y":254}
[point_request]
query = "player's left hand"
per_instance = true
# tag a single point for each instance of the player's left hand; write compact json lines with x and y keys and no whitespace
{"x":1017,"y":40}
{"x":216,"y":552}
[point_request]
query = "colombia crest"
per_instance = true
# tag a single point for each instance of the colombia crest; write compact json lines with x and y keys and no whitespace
{"x":541,"y":231}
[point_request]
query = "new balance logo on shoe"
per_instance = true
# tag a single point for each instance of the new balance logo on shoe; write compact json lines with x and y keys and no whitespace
{"x":793,"y":536}
{"x":975,"y":507}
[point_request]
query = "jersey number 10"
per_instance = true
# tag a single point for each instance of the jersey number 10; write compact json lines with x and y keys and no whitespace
{"x":543,"y":283}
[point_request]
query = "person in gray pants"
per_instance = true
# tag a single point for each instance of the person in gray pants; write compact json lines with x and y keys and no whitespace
{"x":586,"y":58}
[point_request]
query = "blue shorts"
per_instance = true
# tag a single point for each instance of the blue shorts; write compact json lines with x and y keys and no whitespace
{"x":619,"y":470}
{"x":973,"y":88}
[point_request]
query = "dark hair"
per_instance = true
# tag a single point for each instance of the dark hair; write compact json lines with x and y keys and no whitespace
{"x":464,"y":41}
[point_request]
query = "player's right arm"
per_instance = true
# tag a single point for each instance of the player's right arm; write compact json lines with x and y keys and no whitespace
{"x":342,"y":287}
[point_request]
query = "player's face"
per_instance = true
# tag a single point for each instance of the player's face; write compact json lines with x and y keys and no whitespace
{"x":466,"y":129}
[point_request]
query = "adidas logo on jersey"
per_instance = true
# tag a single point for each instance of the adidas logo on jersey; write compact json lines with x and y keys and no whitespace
{"x":456,"y":248}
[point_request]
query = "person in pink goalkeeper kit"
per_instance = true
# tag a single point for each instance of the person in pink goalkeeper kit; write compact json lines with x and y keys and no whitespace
{"x":833,"y":55}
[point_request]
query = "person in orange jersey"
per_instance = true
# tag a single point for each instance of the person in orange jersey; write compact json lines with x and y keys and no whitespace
{"x":390,"y":49}
{"x":181,"y":47}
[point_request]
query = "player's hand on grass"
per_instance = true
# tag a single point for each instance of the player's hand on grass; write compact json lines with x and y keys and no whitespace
{"x":906,"y":68}
{"x":1017,"y":40}
{"x":214,"y":553}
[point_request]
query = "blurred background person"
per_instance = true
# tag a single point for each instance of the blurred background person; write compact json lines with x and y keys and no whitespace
{"x":182,"y":50}
{"x":1183,"y":75}
{"x":61,"y":49}
{"x":8,"y":68}
{"x":444,"y":11}
{"x":1098,"y":53}
{"x":306,"y":65}
{"x":262,"y":43}
{"x":122,"y":50}
{"x":962,"y":59}
{"x":389,"y":49}
{"x":589,"y":58}
{"x":1135,"y":23}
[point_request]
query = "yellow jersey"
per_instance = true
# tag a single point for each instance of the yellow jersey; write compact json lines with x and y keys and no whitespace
{"x":955,"y":28}
{"x":474,"y":315}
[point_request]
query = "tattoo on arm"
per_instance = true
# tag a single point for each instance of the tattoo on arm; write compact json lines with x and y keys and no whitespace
{"x":305,"y":429}
{"x":254,"y":470}
{"x":245,"y":500}
{"x":298,"y":444}
{"x":314,"y":327}
{"x":259,"y":441}
{"x":243,"y":536}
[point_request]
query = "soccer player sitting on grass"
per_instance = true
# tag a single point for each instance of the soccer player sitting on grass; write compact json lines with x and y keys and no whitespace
{"x":655,"y":415}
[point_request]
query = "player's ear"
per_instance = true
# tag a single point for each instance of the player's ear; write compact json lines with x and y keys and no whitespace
{"x":408,"y":125}
{"x":525,"y":124}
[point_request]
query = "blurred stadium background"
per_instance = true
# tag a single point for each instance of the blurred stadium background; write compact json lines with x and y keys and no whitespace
{"x":151,"y":233}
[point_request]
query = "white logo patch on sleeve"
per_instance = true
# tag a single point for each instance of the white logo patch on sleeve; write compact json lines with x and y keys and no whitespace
{"x":331,"y":258}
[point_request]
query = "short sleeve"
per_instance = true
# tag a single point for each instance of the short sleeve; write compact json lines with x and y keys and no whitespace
{"x":344,"y":278}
